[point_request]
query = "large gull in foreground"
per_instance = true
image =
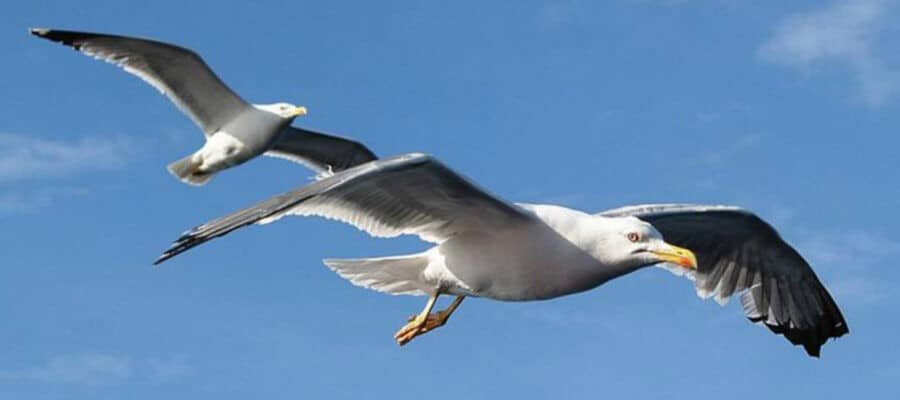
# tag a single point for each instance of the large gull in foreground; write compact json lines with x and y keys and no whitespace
{"x":486,"y":247}
{"x":235,"y":130}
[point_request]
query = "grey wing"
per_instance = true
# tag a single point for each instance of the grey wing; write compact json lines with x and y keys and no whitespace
{"x":177,"y":72}
{"x":409,"y":194}
{"x":738,"y":252}
{"x":320,"y":151}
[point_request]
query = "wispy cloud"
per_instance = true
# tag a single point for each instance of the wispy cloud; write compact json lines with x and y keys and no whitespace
{"x":20,"y":202}
{"x":169,"y":368}
{"x":25,"y":157}
{"x":719,"y":113}
{"x":843,"y":33}
{"x":664,"y":3}
{"x":555,"y":14}
{"x":853,"y":259}
{"x":101,"y":369}
{"x":715,"y":163}
{"x":739,"y":145}
{"x":706,"y":117}
{"x":860,"y":290}
{"x":23,"y":203}
{"x":726,"y":4}
{"x":849,"y":249}
{"x":85,"y":369}
{"x":889,"y":372}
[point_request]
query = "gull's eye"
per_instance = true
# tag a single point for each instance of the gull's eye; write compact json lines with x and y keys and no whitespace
{"x":633,"y":237}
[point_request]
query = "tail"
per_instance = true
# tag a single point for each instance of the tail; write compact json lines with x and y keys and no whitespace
{"x":188,"y":171}
{"x":394,"y":275}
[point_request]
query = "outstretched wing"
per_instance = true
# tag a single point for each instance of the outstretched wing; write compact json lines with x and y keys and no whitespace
{"x":738,"y":252}
{"x":409,"y":194}
{"x":320,"y":151}
{"x":177,"y":72}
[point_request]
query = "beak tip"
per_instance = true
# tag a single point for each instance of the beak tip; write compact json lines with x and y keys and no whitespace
{"x":679,"y":256}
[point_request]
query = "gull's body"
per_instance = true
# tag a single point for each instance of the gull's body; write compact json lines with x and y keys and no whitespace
{"x":545,"y":258}
{"x":548,"y":255}
{"x":235,"y":131}
{"x":486,"y":247}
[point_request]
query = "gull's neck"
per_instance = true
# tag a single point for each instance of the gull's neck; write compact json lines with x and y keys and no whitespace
{"x":590,"y":233}
{"x":269,"y":108}
{"x":584,"y":265}
{"x":576,"y":226}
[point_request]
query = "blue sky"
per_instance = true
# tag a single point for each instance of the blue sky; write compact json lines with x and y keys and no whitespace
{"x":787,"y":109}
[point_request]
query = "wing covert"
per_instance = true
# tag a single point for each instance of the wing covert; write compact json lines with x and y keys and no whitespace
{"x":409,"y":194}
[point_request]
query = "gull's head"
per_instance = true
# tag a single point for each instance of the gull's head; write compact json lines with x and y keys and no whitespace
{"x":632,"y":243}
{"x":283,"y":110}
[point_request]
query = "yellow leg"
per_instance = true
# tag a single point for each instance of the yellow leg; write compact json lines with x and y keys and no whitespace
{"x":426,"y":321}
{"x":414,"y":326}
{"x":440,"y":318}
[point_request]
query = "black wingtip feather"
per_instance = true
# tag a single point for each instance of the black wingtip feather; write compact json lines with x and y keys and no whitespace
{"x":832,"y":326}
{"x":41,"y":32}
{"x":812,"y":350}
{"x":185,"y":242}
{"x":68,"y":38}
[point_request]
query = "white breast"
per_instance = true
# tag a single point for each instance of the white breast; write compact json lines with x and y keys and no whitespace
{"x":522,"y":264}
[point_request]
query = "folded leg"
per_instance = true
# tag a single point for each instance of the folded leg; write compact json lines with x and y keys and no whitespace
{"x":426,"y":321}
{"x":415,"y":325}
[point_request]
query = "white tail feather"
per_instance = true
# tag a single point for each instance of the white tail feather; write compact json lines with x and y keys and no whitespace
{"x":394,"y":275}
{"x":187,"y":171}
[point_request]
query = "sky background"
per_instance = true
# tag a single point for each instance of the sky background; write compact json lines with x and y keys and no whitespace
{"x":790,"y":110}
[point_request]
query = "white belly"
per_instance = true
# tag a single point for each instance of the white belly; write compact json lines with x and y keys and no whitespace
{"x":528,"y":264}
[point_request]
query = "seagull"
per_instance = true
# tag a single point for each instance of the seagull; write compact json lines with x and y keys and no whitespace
{"x":235,"y":130}
{"x":487,"y":247}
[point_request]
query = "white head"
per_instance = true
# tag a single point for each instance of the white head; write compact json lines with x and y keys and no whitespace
{"x":283,"y":110}
{"x":631,"y":243}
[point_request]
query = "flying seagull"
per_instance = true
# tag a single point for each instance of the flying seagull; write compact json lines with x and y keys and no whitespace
{"x":235,"y":130}
{"x":487,"y":247}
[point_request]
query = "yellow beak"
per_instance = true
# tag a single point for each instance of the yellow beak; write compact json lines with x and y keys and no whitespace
{"x":299,"y":111}
{"x":677,"y":255}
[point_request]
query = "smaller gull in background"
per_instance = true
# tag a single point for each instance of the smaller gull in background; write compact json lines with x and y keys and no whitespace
{"x":235,"y":130}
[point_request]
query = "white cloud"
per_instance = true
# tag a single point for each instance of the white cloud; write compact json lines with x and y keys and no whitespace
{"x":101,"y":369}
{"x":731,"y":150}
{"x":843,"y":33}
{"x":169,"y":368}
{"x":849,"y":249}
{"x":664,"y":3}
{"x":85,"y":369}
{"x":24,"y":157}
{"x":852,"y":258}
{"x":714,"y":162}
{"x":888,"y":372}
{"x":706,"y":117}
{"x":556,"y":14}
{"x":23,"y":203}
{"x":858,"y":290}
{"x":26,"y":202}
